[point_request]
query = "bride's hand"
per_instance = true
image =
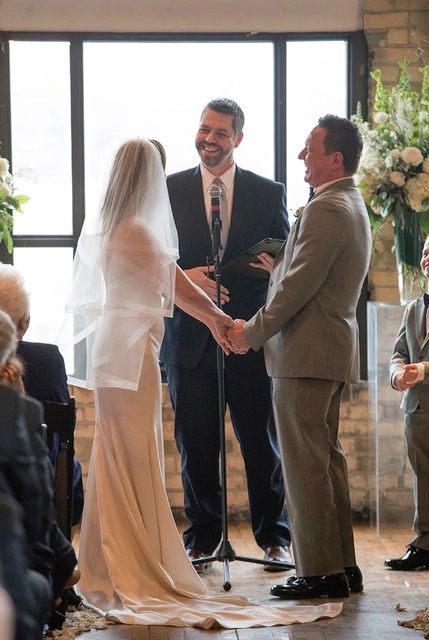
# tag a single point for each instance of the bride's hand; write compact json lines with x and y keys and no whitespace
{"x":219,"y":329}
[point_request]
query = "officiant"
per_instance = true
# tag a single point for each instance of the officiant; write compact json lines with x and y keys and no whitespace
{"x":252,"y":208}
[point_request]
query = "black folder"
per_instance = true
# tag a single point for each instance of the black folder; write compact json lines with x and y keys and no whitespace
{"x":240,"y":265}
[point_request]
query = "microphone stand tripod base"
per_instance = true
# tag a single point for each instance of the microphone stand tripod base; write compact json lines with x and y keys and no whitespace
{"x":225,"y":553}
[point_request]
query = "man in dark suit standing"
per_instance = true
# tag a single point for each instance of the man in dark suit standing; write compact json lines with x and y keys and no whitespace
{"x":310,"y":335}
{"x":253,"y":208}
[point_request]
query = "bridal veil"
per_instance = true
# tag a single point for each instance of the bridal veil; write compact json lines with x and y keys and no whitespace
{"x":123,"y":270}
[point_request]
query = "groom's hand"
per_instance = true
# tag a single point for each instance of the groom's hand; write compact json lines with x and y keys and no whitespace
{"x":237,"y":338}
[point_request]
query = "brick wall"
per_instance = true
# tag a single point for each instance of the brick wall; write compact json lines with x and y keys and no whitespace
{"x":395,"y":29}
{"x":354,"y":426}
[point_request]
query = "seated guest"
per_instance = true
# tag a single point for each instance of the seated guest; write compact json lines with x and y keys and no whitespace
{"x":19,"y":480}
{"x":45,"y":375}
{"x":57,"y":562}
{"x":27,"y":589}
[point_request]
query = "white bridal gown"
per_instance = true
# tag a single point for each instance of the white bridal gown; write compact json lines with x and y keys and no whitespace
{"x":134,"y":566}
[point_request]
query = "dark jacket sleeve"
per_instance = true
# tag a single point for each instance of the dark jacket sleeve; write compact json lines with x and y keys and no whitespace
{"x":45,"y":373}
{"x":20,"y":477}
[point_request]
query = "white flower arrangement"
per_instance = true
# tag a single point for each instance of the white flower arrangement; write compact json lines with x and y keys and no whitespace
{"x":9,"y":204}
{"x":393,"y":173}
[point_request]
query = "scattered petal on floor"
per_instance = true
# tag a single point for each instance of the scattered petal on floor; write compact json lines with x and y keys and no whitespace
{"x":77,"y":622}
{"x":419,"y":623}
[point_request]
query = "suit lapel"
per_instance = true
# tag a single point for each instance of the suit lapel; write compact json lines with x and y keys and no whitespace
{"x":287,"y":250}
{"x":420,"y":323}
{"x":242,"y":213}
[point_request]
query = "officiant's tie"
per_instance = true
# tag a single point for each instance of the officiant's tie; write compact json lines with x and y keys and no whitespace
{"x":223,"y":215}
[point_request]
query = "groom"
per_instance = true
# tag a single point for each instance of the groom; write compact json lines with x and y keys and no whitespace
{"x":309,"y":331}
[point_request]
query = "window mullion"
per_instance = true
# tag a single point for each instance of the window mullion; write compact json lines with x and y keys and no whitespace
{"x":77,"y":135}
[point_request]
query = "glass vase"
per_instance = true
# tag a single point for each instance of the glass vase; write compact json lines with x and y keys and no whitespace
{"x":409,"y":241}
{"x":410,"y":283}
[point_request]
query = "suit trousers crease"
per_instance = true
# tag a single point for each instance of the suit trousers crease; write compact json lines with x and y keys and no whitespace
{"x":416,"y":436}
{"x":194,"y":397}
{"x":306,"y":412}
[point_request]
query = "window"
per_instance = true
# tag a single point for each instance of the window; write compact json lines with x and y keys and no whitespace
{"x":70,"y":100}
{"x":159,"y":90}
{"x":316,"y":84}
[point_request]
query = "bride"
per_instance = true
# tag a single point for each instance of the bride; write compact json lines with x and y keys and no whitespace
{"x":133,"y":563}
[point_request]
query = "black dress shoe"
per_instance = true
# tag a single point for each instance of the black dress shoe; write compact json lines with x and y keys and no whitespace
{"x":73,"y":599}
{"x":354,"y":576}
{"x":415,"y":559}
{"x":278,"y":553}
{"x":196,"y":554}
{"x":332,"y":586}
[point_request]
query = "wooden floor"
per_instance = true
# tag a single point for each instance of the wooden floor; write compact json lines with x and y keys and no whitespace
{"x":367,"y":616}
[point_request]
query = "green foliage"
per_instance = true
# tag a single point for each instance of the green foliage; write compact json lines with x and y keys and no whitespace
{"x":10,"y":203}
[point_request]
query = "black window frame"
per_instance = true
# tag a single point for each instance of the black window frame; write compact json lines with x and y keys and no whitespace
{"x":357,"y":92}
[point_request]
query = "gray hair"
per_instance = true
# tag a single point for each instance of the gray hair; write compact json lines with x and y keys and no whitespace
{"x":14,"y":298}
{"x":8,"y":340}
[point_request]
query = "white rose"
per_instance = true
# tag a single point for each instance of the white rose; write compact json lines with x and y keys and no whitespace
{"x":417,"y":190}
{"x":4,"y":191}
{"x":391,"y":158}
{"x":376,"y":209}
{"x":4,"y":166}
{"x":381,"y":117}
{"x":426,"y":165}
{"x":397,"y":178}
{"x":412,"y":155}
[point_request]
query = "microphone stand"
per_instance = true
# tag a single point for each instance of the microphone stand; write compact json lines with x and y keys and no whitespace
{"x":225,"y":552}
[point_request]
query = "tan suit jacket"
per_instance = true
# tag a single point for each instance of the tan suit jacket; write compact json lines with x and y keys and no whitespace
{"x":308,"y":324}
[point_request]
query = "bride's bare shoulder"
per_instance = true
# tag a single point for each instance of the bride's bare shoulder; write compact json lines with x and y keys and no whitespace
{"x":135,"y":231}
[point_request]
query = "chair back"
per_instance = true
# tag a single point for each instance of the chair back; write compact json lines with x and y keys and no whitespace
{"x":60,"y":418}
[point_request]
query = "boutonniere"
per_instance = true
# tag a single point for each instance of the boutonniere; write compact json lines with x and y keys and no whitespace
{"x":298,"y":211}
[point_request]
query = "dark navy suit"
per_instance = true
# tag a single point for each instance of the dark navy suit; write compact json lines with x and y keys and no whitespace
{"x":45,"y":378}
{"x":189,"y":355}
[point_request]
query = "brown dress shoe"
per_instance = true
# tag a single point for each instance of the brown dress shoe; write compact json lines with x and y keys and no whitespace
{"x":195,"y":554}
{"x":277,"y":553}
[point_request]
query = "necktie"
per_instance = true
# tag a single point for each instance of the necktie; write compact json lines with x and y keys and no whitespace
{"x":311,"y":194}
{"x":426,"y":301}
{"x":223,"y":215}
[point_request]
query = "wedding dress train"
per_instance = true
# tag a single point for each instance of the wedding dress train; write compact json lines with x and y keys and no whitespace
{"x":134,"y":566}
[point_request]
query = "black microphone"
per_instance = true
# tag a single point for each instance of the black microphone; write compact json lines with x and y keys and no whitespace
{"x":215,"y":193}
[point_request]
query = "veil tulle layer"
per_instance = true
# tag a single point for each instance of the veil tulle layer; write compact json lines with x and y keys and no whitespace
{"x":123,"y":271}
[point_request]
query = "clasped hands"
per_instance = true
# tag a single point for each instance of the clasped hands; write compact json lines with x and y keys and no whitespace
{"x":230,"y":336}
{"x":237,"y":339}
{"x":406,"y":378}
